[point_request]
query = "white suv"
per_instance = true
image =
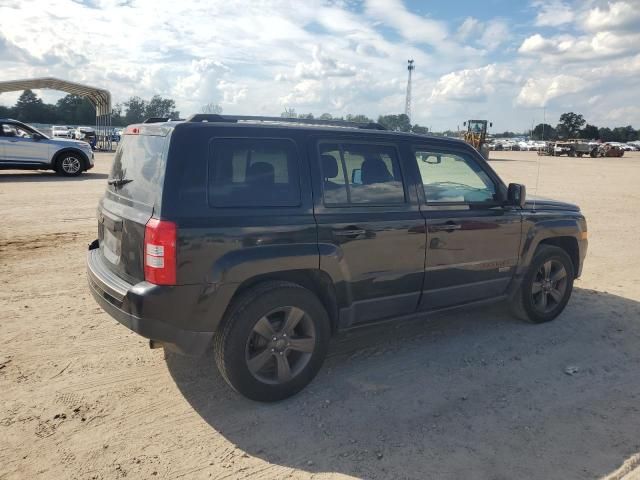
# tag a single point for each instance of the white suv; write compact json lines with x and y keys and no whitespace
{"x":24,"y":147}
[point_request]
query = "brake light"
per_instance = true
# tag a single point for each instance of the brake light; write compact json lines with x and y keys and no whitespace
{"x":132,"y":130}
{"x":160,"y":238}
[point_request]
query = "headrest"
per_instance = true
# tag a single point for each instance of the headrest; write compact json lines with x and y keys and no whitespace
{"x":375,"y":170}
{"x":329,"y":165}
{"x":261,"y":173}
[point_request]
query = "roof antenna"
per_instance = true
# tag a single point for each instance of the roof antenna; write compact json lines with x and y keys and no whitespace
{"x":544,"y":120}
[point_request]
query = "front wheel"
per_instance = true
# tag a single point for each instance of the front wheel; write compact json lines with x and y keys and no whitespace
{"x":546,"y":287}
{"x":69,"y":165}
{"x":273,"y":341}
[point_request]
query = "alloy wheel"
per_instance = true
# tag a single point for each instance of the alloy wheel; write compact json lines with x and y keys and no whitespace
{"x":549,"y":286}
{"x":70,"y":165}
{"x":280,"y":345}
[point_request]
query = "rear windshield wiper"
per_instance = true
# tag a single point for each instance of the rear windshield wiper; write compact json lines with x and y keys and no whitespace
{"x":119,"y":182}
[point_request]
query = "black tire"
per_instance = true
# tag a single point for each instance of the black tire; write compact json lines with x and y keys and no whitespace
{"x":69,"y":164}
{"x":235,"y":342}
{"x":527,"y":303}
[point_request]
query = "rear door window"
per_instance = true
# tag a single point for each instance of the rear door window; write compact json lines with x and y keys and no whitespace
{"x":253,"y":172}
{"x":138,"y":168}
{"x":358,"y":173}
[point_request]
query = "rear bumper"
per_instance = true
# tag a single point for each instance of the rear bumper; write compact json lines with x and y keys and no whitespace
{"x":128,"y":304}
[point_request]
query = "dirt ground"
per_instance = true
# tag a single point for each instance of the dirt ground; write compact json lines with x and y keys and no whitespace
{"x":471,"y":394}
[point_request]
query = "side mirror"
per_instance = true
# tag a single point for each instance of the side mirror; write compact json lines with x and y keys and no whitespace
{"x":491,"y":124}
{"x":37,"y":136}
{"x":517,"y":195}
{"x":464,"y":124}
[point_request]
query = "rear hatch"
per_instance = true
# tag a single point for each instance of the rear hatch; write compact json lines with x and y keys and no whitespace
{"x":133,"y":195}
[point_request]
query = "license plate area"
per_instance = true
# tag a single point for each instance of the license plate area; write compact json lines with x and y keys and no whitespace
{"x":111,"y":247}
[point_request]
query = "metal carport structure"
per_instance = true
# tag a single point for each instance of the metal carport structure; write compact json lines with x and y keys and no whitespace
{"x":99,"y":98}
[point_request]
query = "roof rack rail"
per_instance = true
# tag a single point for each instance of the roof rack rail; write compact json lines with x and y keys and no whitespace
{"x":214,"y":117}
{"x":156,"y":120}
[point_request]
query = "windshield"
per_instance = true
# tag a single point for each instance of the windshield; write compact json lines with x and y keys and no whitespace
{"x":477,"y":127}
{"x":31,"y":129}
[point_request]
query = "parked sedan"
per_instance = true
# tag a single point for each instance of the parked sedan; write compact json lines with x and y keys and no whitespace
{"x":24,"y":147}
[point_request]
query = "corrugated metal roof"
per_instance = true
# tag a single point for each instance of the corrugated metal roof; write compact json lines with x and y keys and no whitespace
{"x":100,"y":98}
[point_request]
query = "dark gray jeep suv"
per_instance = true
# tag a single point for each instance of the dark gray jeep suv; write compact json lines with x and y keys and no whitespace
{"x":265,"y":236}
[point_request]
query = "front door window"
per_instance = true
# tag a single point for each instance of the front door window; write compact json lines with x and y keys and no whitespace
{"x":453,"y":178}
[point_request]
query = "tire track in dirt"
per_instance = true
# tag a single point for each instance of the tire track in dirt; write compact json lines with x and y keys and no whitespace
{"x":47,"y":240}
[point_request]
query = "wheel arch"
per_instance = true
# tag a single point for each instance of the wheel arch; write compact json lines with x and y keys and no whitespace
{"x":314,"y":280}
{"x":77,"y":151}
{"x":570,"y":245}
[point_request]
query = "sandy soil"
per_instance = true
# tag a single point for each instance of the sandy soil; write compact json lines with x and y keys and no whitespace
{"x":472,"y":394}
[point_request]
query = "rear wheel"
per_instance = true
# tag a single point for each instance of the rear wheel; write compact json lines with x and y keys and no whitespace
{"x":69,"y":165}
{"x":547,"y":286}
{"x":273,"y":341}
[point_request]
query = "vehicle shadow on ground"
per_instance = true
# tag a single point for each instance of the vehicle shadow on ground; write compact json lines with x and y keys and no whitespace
{"x":467,"y":394}
{"x":35,"y":177}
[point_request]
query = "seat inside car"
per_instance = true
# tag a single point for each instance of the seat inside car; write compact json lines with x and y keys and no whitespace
{"x":374,"y":170}
{"x":329,"y":170}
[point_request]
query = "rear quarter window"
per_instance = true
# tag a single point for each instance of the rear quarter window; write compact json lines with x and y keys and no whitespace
{"x":253,"y":172}
{"x":140,"y":164}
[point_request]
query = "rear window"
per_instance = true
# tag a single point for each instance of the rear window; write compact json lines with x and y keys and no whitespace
{"x":247,"y":172}
{"x":138,"y":168}
{"x":361,"y":174}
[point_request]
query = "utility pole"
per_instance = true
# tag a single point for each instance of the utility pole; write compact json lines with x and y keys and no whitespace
{"x":407,"y":107}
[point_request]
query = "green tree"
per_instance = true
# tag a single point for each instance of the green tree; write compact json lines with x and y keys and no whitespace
{"x":359,"y":118}
{"x":117,"y":120}
{"x":325,"y":116}
{"x":136,"y":110}
{"x":289,"y":113}
{"x":161,"y":107}
{"x":589,"y":132}
{"x":397,"y":123}
{"x":624,"y":134}
{"x":419,"y":129}
{"x":6,"y":112}
{"x":570,"y":125}
{"x":544,"y":132}
{"x":30,"y":108}
{"x":605,"y":134}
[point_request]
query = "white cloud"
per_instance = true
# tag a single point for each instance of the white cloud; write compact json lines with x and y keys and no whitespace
{"x":413,"y":27}
{"x":321,"y":67}
{"x":629,"y":115}
{"x":617,"y":15}
{"x":553,"y":13}
{"x":337,"y":56}
{"x":471,"y":84}
{"x":483,"y":35}
{"x":537,"y":92}
{"x":563,"y":48}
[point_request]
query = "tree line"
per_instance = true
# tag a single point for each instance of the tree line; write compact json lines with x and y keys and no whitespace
{"x":77,"y":110}
{"x":396,"y":123}
{"x":573,"y":125}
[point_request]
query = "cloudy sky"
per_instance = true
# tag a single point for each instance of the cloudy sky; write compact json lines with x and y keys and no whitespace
{"x":503,"y":60}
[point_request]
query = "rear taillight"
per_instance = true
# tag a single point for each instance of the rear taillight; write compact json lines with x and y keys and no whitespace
{"x":160,"y":252}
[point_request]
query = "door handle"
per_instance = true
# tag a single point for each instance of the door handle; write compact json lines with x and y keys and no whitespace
{"x":352,"y":233}
{"x":446,"y":227}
